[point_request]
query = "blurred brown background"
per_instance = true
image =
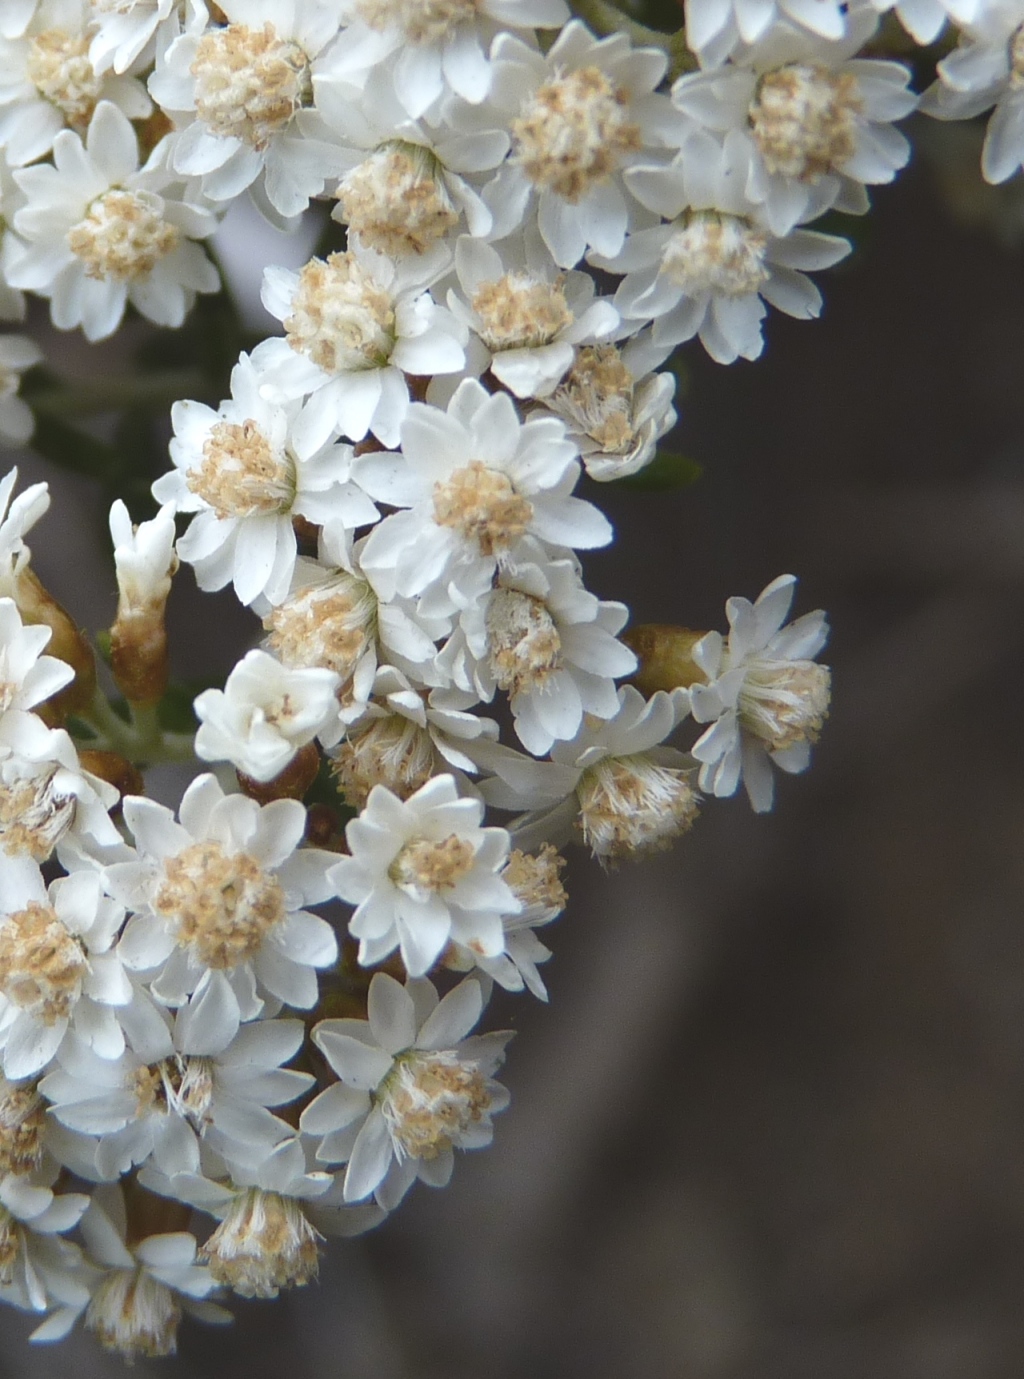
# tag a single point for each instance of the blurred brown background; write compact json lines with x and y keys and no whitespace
{"x":771,"y":1125}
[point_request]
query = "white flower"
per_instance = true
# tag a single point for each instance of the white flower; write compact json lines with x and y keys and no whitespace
{"x":529,"y":322}
{"x":124,"y":33}
{"x":614,"y":407}
{"x":413,"y":1088}
{"x":475,"y":481}
{"x":47,"y":82}
{"x":408,"y":183}
{"x":45,"y":794}
{"x":218,"y":900}
{"x":18,"y":516}
{"x":101,"y":232}
{"x":36,"y":1268}
{"x":355,"y":325}
{"x":144,"y":558}
{"x":244,"y":94}
{"x":17,"y":353}
{"x":27,"y":677}
{"x":240,"y":470}
{"x":422,"y":871}
{"x":817,"y":121}
{"x":615,"y":784}
{"x":987,"y":69}
{"x":140,"y":1108}
{"x":434,"y":44}
{"x":58,"y":966}
{"x":264,"y":714}
{"x":706,"y":270}
{"x":924,"y":20}
{"x":765,"y":698}
{"x":716,"y":28}
{"x":540,"y":636}
{"x":578,"y":117}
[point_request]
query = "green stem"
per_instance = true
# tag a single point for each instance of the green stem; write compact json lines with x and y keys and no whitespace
{"x":150,"y":391}
{"x":142,"y":741}
{"x":605,"y":18}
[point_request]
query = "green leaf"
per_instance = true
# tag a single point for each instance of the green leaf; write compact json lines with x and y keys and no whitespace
{"x":664,"y":473}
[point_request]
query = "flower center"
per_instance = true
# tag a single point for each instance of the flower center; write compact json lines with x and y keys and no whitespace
{"x":249,"y":82}
{"x":34,"y":816}
{"x":716,"y":253}
{"x":122,"y":238}
{"x":263,"y":1244}
{"x":571,"y":134}
{"x":330,"y":624}
{"x":391,"y":751}
{"x":41,"y":963}
{"x":631,"y":804}
{"x":10,"y":1245}
{"x":483,"y":507}
{"x":1016,"y":54}
{"x":396,"y":202}
{"x":134,"y":1314}
{"x":519,"y":311}
{"x":523,"y":642}
{"x":241,"y":475}
{"x":430,"y":1100}
{"x":223,"y":906}
{"x":535,"y":881}
{"x":341,"y":318}
{"x":22,"y":1127}
{"x":421,"y":21}
{"x":596,"y":398}
{"x":58,"y":67}
{"x":785,"y":702}
{"x":427,"y":868}
{"x":804,"y":120}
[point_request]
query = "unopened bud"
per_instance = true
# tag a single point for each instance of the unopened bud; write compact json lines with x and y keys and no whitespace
{"x":665,"y":656}
{"x":37,"y":606}
{"x":145,"y":561}
{"x":115,"y":769}
{"x":291,"y":784}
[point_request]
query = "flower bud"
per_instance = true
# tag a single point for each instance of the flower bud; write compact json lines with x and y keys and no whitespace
{"x":145,"y":560}
{"x":664,"y":653}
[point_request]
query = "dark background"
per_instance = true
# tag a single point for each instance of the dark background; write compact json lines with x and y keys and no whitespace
{"x":771,"y":1125}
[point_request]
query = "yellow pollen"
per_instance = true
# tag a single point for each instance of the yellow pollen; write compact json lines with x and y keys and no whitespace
{"x":330,"y":624}
{"x":10,"y":1245}
{"x":421,"y":21}
{"x":629,"y":805}
{"x":804,"y":120}
{"x":122,"y":238}
{"x":425,"y":866}
{"x":717,"y":253}
{"x":596,"y":398}
{"x":41,"y":963}
{"x":263,"y":1244}
{"x":535,"y":879}
{"x":222,"y":906}
{"x":135,"y":1315}
{"x":396,"y":202}
{"x":392,"y":751}
{"x":147,"y":1087}
{"x":241,"y":475}
{"x":572,"y":133}
{"x":785,"y":703}
{"x":519,"y":311}
{"x":341,"y":318}
{"x":429,"y":1100}
{"x":58,"y":67}
{"x":523,"y":642}
{"x":483,"y":507}
{"x":249,"y":82}
{"x":33,"y":816}
{"x":22,"y":1127}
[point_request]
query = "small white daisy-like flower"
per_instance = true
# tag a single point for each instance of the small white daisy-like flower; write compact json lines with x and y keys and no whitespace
{"x":578,"y":117}
{"x":27,"y":677}
{"x":218,"y":900}
{"x":355,"y":325}
{"x":547,"y":642}
{"x":433,"y":45}
{"x":125,"y":33}
{"x":144,"y":558}
{"x":403,"y":736}
{"x":615,"y":407}
{"x":766,"y":698}
{"x":17,"y":353}
{"x":264,"y":714}
{"x":474,"y":481}
{"x":421,"y":872}
{"x":709,"y":269}
{"x":37,"y":1268}
{"x":986,"y":70}
{"x":47,"y":82}
{"x":243,"y":93}
{"x":45,"y":794}
{"x":58,"y":966}
{"x":101,"y":232}
{"x":716,"y":28}
{"x":409,"y":183}
{"x":18,"y":515}
{"x":615,"y":786}
{"x":414,"y":1087}
{"x":240,"y":471}
{"x":818,"y":120}
{"x":529,"y":322}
